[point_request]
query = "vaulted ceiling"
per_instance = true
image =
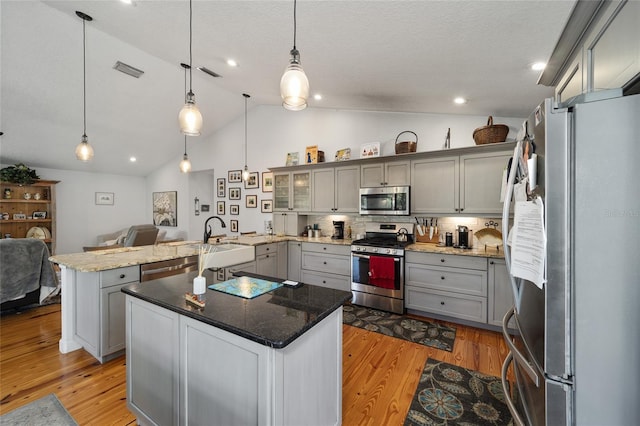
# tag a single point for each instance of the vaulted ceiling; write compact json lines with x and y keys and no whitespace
{"x":378,"y":55}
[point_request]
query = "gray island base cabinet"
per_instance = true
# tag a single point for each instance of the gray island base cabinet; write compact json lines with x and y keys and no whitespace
{"x":183,"y":370}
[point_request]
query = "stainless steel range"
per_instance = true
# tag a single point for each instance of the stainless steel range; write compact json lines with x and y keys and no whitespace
{"x":377,"y":266}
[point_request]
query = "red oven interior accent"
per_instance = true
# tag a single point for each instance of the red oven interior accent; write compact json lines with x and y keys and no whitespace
{"x":382,"y":271}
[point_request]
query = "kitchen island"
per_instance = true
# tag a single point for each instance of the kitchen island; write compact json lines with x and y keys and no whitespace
{"x":272,"y":359}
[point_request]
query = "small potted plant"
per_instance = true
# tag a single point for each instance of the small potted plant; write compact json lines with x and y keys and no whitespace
{"x":20,"y":174}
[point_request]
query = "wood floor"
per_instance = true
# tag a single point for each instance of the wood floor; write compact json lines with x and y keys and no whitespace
{"x":380,"y":373}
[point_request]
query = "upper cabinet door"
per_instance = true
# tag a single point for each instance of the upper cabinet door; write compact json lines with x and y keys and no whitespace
{"x":435,"y":185}
{"x":323,"y":190}
{"x":347,"y":189}
{"x":481,"y":182}
{"x":397,"y":173}
{"x":372,"y":175}
{"x":281,"y":191}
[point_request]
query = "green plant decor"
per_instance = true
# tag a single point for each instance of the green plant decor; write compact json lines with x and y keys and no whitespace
{"x":19,"y":174}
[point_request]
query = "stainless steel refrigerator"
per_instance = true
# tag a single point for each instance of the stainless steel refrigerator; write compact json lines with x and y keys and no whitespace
{"x":576,"y":345}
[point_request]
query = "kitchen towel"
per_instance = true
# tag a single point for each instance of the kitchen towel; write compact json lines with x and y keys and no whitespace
{"x":382,"y":271}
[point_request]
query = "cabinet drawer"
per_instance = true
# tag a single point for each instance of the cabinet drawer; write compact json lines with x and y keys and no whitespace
{"x":344,"y":250}
{"x":119,"y":276}
{"x":339,"y":282}
{"x":452,"y":260}
{"x":266,"y":249}
{"x":457,"y":280}
{"x":326,"y":262}
{"x":470,"y":308}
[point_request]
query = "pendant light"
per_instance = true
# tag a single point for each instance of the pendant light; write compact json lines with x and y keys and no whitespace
{"x":190,"y":119}
{"x":245,"y":171}
{"x":185,"y":164}
{"x":294,"y":85}
{"x":84,"y":151}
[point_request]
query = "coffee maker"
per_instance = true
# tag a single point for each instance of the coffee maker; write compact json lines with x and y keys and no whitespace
{"x":465,"y":237}
{"x":338,"y":230}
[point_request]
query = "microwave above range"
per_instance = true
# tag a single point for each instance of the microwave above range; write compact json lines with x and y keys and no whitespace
{"x":385,"y":201}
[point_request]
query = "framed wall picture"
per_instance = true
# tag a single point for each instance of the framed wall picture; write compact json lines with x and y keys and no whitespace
{"x":267,"y":182}
{"x":251,"y":201}
{"x":220,"y":208}
{"x":234,"y":176}
{"x":252,"y":181}
{"x":234,"y":193}
{"x":222,"y":187}
{"x":39,"y":215}
{"x":233,"y":223}
{"x":234,"y":209}
{"x":165,"y":208}
{"x":104,"y":198}
{"x":266,"y":206}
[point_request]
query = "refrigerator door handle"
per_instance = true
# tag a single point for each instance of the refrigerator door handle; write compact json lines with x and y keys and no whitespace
{"x":519,"y":358}
{"x":507,"y":396}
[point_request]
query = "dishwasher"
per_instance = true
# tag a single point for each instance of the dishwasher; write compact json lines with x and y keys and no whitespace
{"x":167,"y":268}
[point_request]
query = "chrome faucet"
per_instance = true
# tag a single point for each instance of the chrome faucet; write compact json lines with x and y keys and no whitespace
{"x":207,"y":234}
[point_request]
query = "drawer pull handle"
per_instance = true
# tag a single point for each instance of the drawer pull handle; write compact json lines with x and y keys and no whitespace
{"x":442,"y":303}
{"x":122,"y":276}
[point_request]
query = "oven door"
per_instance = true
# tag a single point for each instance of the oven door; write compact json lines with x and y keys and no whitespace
{"x":362,"y":281}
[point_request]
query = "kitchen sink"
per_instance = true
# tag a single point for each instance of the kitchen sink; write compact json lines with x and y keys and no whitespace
{"x":228,"y":254}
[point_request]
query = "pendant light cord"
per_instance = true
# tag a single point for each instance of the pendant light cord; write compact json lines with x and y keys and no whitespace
{"x":185,"y":99}
{"x":190,"y":42}
{"x":84,"y":79}
{"x":245,"y":127}
{"x":294,"y":25}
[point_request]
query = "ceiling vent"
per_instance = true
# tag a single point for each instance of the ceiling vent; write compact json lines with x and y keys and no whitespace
{"x":208,"y":71}
{"x":128,"y":69}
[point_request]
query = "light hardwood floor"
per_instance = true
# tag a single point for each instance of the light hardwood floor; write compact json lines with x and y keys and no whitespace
{"x":380,"y":373}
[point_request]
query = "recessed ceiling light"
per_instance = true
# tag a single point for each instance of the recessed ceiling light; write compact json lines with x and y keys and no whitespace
{"x":232,"y":63}
{"x":538,"y":66}
{"x":460,"y":100}
{"x":127,"y":1}
{"x":317,"y":97}
{"x":133,"y":159}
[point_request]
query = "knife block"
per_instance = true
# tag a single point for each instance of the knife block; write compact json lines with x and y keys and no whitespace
{"x":425,"y":238}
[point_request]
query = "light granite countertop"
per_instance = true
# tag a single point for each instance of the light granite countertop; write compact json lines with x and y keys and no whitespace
{"x":100,"y":260}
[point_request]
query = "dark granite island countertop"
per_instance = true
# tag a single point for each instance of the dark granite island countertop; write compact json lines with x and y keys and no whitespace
{"x":274,"y":319}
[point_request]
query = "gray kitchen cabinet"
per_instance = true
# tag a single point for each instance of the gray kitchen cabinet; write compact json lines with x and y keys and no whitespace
{"x":244,"y":267}
{"x":99,"y":324}
{"x":281,"y":270}
{"x":267,"y":260}
{"x":465,"y":184}
{"x":153,"y":362}
{"x":336,"y":189}
{"x":294,"y":260}
{"x":385,"y":173}
{"x":447,"y":285}
{"x":288,"y":223}
{"x":326,"y":265}
{"x":292,"y":191}
{"x":435,"y":185}
{"x":500,"y":292}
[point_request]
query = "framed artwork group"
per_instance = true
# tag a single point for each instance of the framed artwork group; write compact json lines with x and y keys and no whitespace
{"x":225,"y":188}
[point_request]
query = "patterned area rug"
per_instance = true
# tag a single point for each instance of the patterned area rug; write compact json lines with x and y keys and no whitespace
{"x":451,"y":395}
{"x":46,"y":411}
{"x":403,"y":327}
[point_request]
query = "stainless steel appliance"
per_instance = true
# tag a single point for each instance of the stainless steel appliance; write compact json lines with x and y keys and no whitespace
{"x":576,"y":351}
{"x":385,"y":201}
{"x":465,"y":237}
{"x":377,"y":266}
{"x":166,"y":268}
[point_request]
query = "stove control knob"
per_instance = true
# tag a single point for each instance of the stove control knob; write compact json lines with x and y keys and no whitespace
{"x":389,"y":251}
{"x":375,"y":249}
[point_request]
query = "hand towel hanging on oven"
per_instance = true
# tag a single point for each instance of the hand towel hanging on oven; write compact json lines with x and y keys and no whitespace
{"x":382,"y":272}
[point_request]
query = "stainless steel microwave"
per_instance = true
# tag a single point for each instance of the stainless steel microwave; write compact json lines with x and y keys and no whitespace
{"x":385,"y":201}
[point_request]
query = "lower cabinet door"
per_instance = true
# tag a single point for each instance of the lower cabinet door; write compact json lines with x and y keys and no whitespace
{"x":113,"y":319}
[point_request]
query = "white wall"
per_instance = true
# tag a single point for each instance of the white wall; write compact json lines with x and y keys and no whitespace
{"x":273,"y":132}
{"x":79,"y":220}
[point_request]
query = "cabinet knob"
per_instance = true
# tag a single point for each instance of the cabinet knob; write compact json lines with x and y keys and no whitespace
{"x":324,"y":282}
{"x":442,"y":260}
{"x":267,"y":255}
{"x":442,"y":277}
{"x":324,"y":263}
{"x":491,"y":262}
{"x":122,"y":276}
{"x":461,"y":209}
{"x":442,"y":303}
{"x":324,"y":248}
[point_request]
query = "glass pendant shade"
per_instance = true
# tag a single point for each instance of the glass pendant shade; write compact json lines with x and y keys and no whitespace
{"x":245,"y":173}
{"x":190,"y":119}
{"x":294,"y":85}
{"x":84,"y":151}
{"x":185,"y":164}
